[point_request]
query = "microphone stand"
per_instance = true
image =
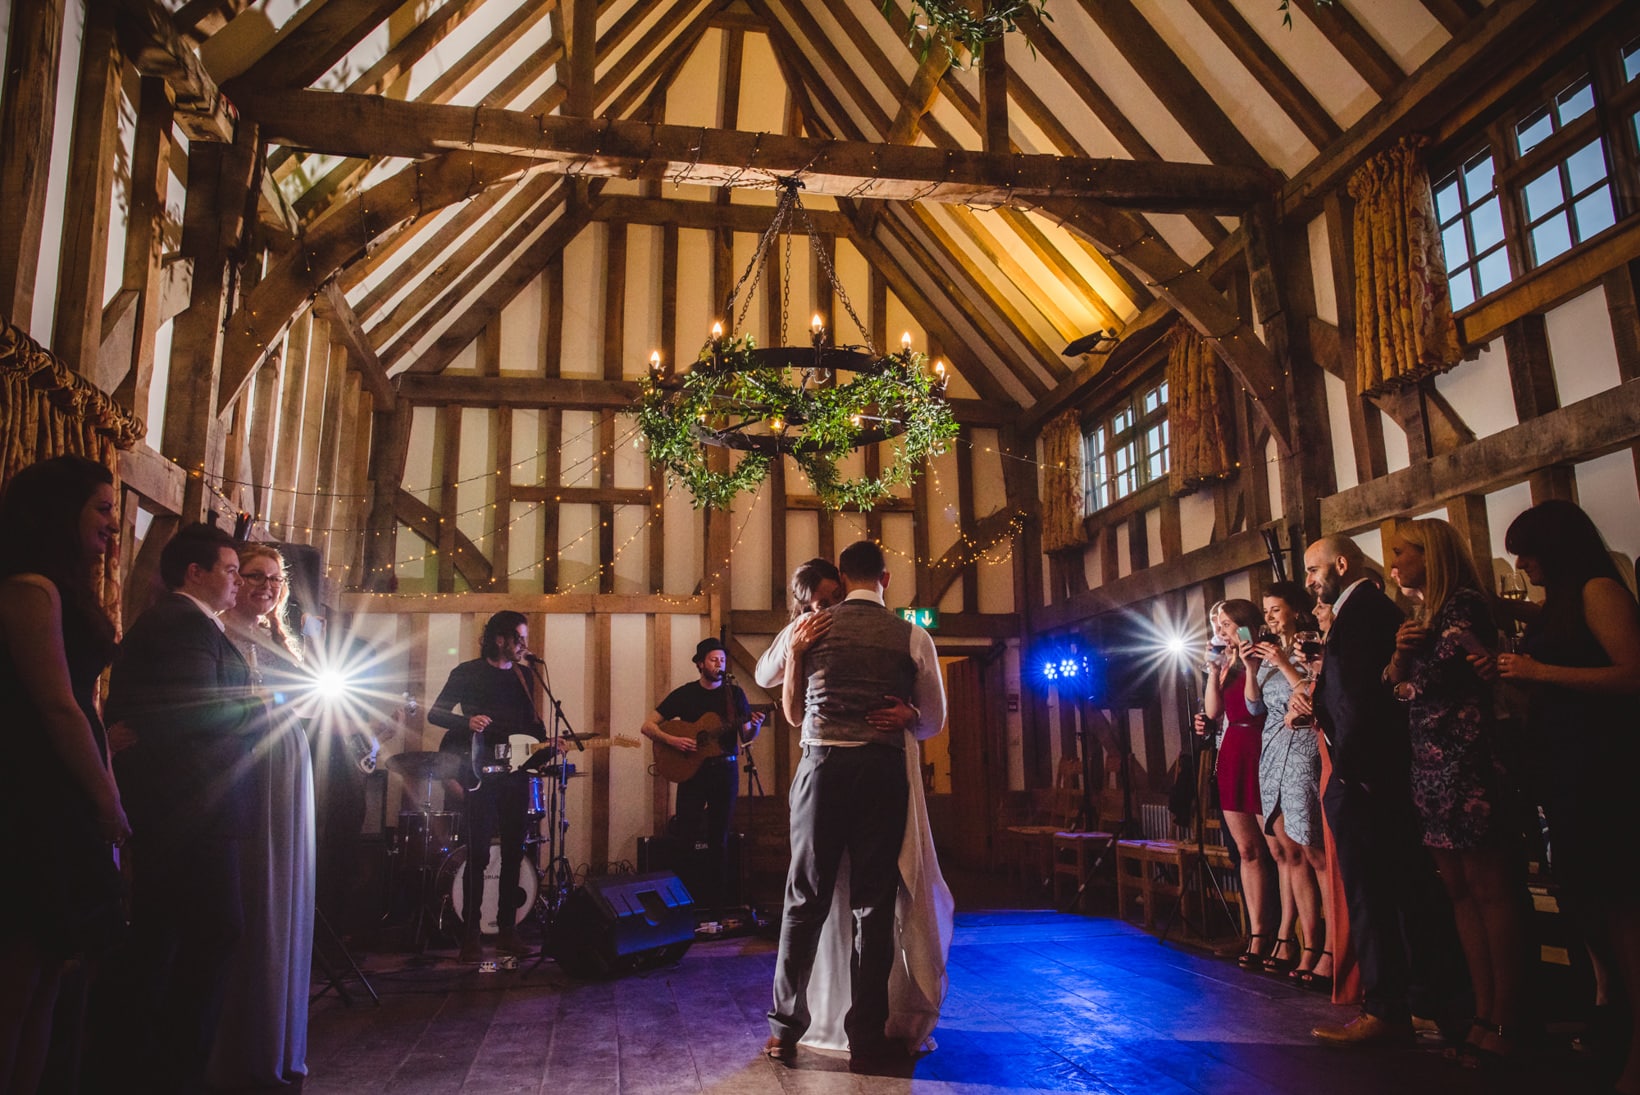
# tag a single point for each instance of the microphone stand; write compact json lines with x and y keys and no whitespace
{"x":558,"y":879}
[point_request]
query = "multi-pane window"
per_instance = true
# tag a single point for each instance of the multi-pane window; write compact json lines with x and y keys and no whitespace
{"x":1545,"y":178}
{"x":1129,"y":449}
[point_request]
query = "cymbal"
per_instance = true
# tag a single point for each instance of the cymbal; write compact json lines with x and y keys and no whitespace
{"x":417,"y":766}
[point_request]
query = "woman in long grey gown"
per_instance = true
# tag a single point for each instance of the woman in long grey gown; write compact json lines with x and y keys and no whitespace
{"x":262,"y":1040}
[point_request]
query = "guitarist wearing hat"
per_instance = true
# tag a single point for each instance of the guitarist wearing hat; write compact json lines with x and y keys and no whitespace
{"x":706,"y":800}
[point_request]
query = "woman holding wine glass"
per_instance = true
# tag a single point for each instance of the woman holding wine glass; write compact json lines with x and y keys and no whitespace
{"x":1580,"y":661}
{"x":1289,"y":780}
{"x":1441,"y":670}
{"x":1235,"y":622}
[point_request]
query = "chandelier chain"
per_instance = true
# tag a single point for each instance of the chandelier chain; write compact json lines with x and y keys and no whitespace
{"x":831,"y":276}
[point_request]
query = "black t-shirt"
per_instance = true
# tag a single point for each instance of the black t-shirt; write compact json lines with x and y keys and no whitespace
{"x":479,"y":688}
{"x":690,"y":701}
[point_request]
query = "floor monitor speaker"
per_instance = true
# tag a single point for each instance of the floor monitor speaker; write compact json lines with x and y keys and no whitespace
{"x":619,"y":923}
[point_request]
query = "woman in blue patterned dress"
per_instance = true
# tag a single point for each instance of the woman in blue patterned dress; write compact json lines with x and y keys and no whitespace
{"x":1289,"y":778}
{"x":1441,"y":668}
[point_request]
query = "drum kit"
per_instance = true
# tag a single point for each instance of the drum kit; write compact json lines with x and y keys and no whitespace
{"x":431,"y":861}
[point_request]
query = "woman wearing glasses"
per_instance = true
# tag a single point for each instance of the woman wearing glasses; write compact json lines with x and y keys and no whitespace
{"x":263,"y":1037}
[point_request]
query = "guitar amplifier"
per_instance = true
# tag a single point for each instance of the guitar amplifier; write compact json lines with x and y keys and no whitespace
{"x":621,"y":923}
{"x":692,"y":862}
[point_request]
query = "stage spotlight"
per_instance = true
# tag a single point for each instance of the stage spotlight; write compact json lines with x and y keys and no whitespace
{"x":330,"y":684}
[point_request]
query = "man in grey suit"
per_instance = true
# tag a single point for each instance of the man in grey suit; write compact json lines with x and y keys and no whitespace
{"x":850,"y":794}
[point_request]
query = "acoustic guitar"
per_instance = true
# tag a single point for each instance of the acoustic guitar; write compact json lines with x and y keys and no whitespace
{"x":675,"y":764}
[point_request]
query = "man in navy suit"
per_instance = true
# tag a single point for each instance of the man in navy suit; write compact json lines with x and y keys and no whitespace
{"x":183,"y":690}
{"x":1400,"y":922}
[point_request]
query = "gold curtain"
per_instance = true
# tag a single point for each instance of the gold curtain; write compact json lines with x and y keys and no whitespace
{"x":1403,"y":314}
{"x":46,"y":410}
{"x":1199,"y":416}
{"x":1062,"y":501}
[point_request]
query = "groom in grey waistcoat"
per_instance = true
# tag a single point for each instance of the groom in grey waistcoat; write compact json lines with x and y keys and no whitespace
{"x":850,"y":795}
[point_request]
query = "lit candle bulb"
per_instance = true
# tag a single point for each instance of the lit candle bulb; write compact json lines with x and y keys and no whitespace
{"x":905,"y":342}
{"x":777,"y":424}
{"x":717,"y":330}
{"x":939,"y":370}
{"x":817,"y":323}
{"x":856,"y":421}
{"x":655,"y":362}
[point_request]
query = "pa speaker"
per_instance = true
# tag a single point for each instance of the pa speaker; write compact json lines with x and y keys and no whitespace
{"x":620,"y":923}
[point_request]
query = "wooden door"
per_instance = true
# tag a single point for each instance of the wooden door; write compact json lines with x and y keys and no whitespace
{"x":977,"y":721}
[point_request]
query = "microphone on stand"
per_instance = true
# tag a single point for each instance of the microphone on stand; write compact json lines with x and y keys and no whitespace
{"x":534,"y":659}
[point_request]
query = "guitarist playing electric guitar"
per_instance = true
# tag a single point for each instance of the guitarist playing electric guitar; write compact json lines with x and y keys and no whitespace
{"x":707,"y":722}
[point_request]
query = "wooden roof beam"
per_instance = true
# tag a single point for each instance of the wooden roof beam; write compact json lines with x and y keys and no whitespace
{"x":1295,"y":100}
{"x":316,"y":44}
{"x":366,"y":125}
{"x":150,"y":40}
{"x":1371,"y":60}
{"x":332,"y":305}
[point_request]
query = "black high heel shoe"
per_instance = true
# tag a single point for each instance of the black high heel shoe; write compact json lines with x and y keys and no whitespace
{"x":1252,"y":958}
{"x":1274,"y":964}
{"x":1309,"y":979}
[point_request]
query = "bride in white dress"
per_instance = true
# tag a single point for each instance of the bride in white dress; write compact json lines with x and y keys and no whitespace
{"x":923,"y":910}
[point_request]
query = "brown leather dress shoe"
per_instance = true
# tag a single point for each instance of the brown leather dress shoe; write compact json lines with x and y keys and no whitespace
{"x":780,"y":1049}
{"x":1364,"y":1030}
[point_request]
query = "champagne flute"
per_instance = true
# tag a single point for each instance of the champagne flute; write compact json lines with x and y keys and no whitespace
{"x":1406,"y":691}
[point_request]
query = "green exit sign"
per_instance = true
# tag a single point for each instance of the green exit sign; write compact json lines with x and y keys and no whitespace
{"x":926,"y":618}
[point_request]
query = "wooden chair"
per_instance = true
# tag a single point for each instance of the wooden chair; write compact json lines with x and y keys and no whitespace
{"x":1031,"y":843}
{"x":1075,"y":854}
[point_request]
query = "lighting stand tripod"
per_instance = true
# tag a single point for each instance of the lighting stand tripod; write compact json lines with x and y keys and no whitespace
{"x":1197,"y":873}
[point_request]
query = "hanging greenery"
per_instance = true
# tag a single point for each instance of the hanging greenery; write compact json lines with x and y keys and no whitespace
{"x":960,"y":27}
{"x":715,"y":403}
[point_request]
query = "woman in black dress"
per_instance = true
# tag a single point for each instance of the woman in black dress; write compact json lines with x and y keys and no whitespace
{"x":59,"y":806}
{"x":1580,"y":661}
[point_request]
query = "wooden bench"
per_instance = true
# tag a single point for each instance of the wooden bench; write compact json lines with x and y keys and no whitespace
{"x":1142,"y":868}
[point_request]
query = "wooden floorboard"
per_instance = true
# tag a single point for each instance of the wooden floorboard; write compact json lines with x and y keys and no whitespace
{"x":1039,"y":1002}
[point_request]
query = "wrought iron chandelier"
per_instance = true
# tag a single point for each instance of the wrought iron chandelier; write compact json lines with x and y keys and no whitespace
{"x":787,"y":400}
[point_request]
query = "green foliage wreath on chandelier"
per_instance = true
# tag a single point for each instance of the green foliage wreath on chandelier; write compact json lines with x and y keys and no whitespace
{"x":728,"y":393}
{"x":962,"y":27}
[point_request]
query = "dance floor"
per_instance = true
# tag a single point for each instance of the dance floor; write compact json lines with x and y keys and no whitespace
{"x":1039,"y":1002}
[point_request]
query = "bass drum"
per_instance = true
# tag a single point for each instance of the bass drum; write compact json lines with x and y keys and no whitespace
{"x":450,"y":888}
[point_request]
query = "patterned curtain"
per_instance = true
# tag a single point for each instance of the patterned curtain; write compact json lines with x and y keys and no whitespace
{"x":1403,"y":314}
{"x":1199,"y":413}
{"x":1062,"y":501}
{"x":46,"y":410}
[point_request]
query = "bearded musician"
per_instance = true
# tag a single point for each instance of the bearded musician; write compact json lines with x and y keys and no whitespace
{"x":493,"y":694}
{"x":706,"y":801}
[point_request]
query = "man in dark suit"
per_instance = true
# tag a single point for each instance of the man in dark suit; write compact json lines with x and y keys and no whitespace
{"x":1400,"y":922}
{"x":183,"y":691}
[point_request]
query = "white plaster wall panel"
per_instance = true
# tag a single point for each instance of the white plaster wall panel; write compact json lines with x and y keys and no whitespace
{"x":1193,"y":626}
{"x":1135,"y":718}
{"x":1093,"y":565}
{"x":849,"y":527}
{"x":1113,"y":292}
{"x":51,"y":231}
{"x":1502,"y":507}
{"x":1040,"y":76}
{"x":420,"y":462}
{"x":1178,"y":233}
{"x":409,"y":559}
{"x":1251,"y":110}
{"x":1396,"y":454}
{"x":802,"y":537}
{"x":521,"y":330}
{"x":119,"y":202}
{"x":641,"y":317}
{"x":1312,"y":58}
{"x":996,"y":579}
{"x":942,"y":514}
{"x":629,"y":802}
{"x":577,"y":548}
{"x":900,"y":324}
{"x":475,"y":487}
{"x":420,"y":234}
{"x":528,"y":446}
{"x":898,"y":55}
{"x":1272,"y":473}
{"x":1479,"y":390}
{"x":763,"y":92}
{"x":1006,"y":290}
{"x":584,"y":258}
{"x":631,"y":459}
{"x":525,"y":531}
{"x":854,"y":273}
{"x":749,"y":563}
{"x":1196,"y":516}
{"x":632,"y":549}
{"x":683,"y":542}
{"x":1124,"y":552}
{"x":465,"y":361}
{"x":1239,"y":584}
{"x":990,"y":491}
{"x":899,"y":548}
{"x":1404,"y":28}
{"x":1372,"y":543}
{"x":1606,"y":489}
{"x":1581,"y":347}
{"x":1321,"y":275}
{"x":158,"y":385}
{"x":696,"y":309}
{"x":578,"y":450}
{"x":567,"y":649}
{"x":1337,"y":394}
{"x":694,"y":99}
{"x":1153,"y":535}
